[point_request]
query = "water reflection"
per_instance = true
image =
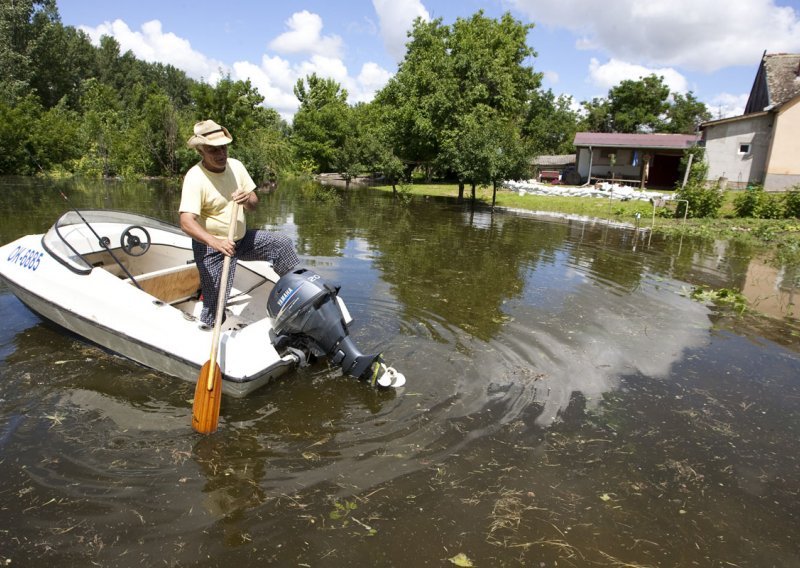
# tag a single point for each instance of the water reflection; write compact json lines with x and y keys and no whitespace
{"x":562,"y":387}
{"x":772,"y":290}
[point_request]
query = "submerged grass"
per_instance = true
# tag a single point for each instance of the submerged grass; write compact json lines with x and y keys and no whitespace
{"x":781,"y":236}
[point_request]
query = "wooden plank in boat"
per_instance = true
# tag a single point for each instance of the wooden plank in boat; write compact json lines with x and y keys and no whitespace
{"x":170,"y":285}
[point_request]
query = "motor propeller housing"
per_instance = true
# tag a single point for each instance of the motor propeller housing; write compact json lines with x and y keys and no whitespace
{"x":306,"y":312}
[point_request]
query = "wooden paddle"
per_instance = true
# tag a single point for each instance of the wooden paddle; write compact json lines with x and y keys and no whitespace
{"x":208,"y":393}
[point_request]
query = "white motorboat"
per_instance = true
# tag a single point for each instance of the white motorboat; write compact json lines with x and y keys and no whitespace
{"x":129,"y":283}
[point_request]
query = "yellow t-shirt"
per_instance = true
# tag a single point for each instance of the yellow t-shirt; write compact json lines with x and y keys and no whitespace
{"x":208,"y":195}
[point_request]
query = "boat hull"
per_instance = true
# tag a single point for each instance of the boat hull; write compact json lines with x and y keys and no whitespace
{"x":109,"y":310}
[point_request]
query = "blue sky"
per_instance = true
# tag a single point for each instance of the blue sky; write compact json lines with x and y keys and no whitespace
{"x":584,"y":47}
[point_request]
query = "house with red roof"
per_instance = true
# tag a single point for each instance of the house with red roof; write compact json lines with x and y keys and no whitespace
{"x":641,"y":160}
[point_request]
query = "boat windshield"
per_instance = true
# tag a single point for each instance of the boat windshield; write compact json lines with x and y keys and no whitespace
{"x":79,"y":233}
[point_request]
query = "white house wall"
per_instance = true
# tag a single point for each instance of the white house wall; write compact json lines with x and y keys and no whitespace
{"x":601,"y":163}
{"x":723,"y":142}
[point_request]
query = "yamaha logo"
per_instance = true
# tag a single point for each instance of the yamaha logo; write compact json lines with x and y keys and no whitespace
{"x":284,"y":296}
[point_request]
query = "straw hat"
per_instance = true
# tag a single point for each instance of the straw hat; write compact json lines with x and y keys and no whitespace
{"x":209,"y":133}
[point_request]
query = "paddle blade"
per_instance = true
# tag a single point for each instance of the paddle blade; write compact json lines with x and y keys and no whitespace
{"x":205,"y":410}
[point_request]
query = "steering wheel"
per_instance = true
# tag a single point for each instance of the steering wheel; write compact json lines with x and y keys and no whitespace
{"x":135,"y":244}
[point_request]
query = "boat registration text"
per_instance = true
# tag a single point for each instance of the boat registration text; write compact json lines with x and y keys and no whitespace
{"x":25,"y":257}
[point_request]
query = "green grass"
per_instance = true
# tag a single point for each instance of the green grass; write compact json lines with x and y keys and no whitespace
{"x":589,"y":207}
{"x":781,"y":236}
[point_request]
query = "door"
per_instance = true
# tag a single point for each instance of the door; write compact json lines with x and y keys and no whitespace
{"x":664,"y":171}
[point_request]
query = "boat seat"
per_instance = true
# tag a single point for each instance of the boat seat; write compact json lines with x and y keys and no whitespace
{"x":170,"y":285}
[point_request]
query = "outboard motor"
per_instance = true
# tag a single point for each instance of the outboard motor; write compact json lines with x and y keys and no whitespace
{"x":306,"y":312}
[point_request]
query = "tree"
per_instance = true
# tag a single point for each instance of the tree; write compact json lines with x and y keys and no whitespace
{"x":376,"y":143}
{"x":638,"y":106}
{"x":100,"y":128}
{"x":16,"y":120}
{"x":512,"y":155}
{"x":494,"y":91}
{"x":347,"y":160}
{"x":643,"y":106}
{"x":267,"y":154}
{"x":489,"y":64}
{"x":685,"y":114}
{"x":418,"y":101}
{"x":161,"y":132}
{"x":550,"y":124}
{"x":53,"y":138}
{"x":321,"y":123}
{"x":451,"y":79}
{"x":22,"y":25}
{"x":62,"y":58}
{"x":235,"y":104}
{"x":596,"y":116}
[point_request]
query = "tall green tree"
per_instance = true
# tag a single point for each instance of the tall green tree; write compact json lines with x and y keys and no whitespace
{"x":377,"y":143}
{"x":232,"y":103}
{"x":23,"y":25}
{"x":267,"y":152}
{"x":101,"y":129}
{"x":685,"y":114}
{"x":62,"y":58}
{"x":494,"y":91}
{"x":161,"y":133}
{"x":18,"y":155}
{"x":643,"y":105}
{"x":54,"y":138}
{"x":450,"y":80}
{"x":419,"y":100}
{"x":637,"y":106}
{"x":596,"y":116}
{"x":322,"y":122}
{"x":550,"y":124}
{"x":489,"y":63}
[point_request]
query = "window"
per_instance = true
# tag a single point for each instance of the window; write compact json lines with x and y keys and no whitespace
{"x":744,"y":148}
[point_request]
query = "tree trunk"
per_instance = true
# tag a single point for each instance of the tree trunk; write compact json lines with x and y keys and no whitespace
{"x":461,"y":191}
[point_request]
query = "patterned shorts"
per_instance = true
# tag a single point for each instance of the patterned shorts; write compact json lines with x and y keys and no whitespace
{"x":255,"y":245}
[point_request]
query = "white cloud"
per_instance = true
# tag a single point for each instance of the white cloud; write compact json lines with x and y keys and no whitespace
{"x":153,"y":45}
{"x":395,"y":18}
{"x":275,"y":77}
{"x":371,"y":79}
{"x":704,"y":36}
{"x":726,"y":105}
{"x":551,"y":77}
{"x":328,"y":67}
{"x":305,"y":36}
{"x":612,"y":73}
{"x":276,"y":94}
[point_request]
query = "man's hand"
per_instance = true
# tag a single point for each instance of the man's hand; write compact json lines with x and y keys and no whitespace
{"x":192,"y":227}
{"x":223,"y":245}
{"x":247,"y":199}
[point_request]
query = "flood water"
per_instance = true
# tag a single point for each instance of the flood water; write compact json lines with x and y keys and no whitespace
{"x":568,"y":404}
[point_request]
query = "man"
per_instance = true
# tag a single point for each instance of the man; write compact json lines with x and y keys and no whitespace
{"x":209,"y":190}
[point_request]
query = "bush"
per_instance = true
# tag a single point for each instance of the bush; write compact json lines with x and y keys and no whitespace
{"x":746,"y":204}
{"x":699,"y":170}
{"x":757,"y":203}
{"x":792,"y":202}
{"x":771,"y":207}
{"x":704,"y":201}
